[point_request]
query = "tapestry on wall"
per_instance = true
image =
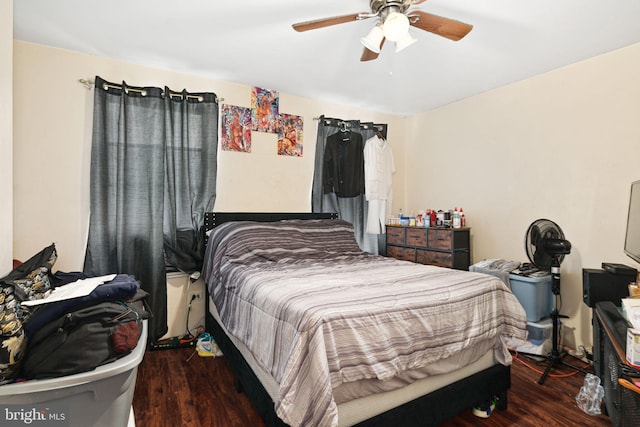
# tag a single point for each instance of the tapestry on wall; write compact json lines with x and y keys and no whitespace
{"x":264,"y":110}
{"x":236,"y":128}
{"x":290,"y":135}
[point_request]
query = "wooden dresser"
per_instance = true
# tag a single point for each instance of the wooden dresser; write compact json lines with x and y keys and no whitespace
{"x":444,"y":247}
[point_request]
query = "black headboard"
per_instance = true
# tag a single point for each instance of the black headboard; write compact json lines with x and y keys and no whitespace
{"x":213,"y":219}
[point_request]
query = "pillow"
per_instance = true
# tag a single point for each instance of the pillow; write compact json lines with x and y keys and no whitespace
{"x":284,"y":241}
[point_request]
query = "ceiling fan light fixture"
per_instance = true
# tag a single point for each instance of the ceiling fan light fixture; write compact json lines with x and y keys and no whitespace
{"x":396,"y":26}
{"x":373,"y":40}
{"x":405,"y":42}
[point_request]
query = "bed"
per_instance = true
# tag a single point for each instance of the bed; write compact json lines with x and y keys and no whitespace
{"x":319,"y":333}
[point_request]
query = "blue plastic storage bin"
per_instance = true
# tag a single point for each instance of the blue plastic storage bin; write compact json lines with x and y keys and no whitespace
{"x":534,"y":293}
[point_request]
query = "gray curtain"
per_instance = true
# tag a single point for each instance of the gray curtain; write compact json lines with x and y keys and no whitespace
{"x":153,"y":175}
{"x":351,"y":209}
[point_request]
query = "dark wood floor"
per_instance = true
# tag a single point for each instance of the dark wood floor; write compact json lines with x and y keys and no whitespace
{"x":173,"y":391}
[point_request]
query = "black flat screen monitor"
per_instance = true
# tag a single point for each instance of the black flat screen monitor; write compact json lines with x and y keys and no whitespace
{"x":632,"y":238}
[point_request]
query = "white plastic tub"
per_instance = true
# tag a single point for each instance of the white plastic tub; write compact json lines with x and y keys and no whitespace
{"x":101,"y":397}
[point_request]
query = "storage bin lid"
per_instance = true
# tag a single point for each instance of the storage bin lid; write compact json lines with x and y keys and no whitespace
{"x":533,"y":279}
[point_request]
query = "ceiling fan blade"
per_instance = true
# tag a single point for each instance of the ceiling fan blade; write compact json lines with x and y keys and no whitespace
{"x":325,"y":22}
{"x":445,"y":27}
{"x":369,"y":55}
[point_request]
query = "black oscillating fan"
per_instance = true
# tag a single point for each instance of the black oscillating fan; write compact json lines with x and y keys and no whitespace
{"x":546,"y":247}
{"x":545,"y":244}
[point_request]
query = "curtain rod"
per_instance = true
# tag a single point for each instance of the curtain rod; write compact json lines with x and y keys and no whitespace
{"x":362,"y":125}
{"x":90,"y":83}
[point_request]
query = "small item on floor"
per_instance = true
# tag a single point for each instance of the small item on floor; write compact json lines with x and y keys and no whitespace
{"x":206,"y":346}
{"x":485,"y":409}
{"x":589,"y":399}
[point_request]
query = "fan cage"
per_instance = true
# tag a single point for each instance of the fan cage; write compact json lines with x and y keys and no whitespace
{"x":534,"y":245}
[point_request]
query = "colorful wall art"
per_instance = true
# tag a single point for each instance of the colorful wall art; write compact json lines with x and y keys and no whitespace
{"x":290,"y":135}
{"x":237,"y":123}
{"x":236,"y":128}
{"x":264,"y":110}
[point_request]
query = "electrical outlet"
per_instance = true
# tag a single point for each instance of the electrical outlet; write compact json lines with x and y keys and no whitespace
{"x":195,"y":295}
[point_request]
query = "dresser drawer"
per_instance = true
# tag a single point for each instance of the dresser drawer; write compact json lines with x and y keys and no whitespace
{"x":440,"y":239}
{"x":444,"y":247}
{"x":405,"y":254}
{"x":441,"y":259}
{"x":417,"y":237}
{"x":395,"y":235}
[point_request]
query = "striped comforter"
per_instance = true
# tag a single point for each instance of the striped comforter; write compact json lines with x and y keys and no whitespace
{"x":317,"y":312}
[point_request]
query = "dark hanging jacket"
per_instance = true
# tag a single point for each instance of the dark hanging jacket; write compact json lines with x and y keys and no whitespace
{"x":344,"y":164}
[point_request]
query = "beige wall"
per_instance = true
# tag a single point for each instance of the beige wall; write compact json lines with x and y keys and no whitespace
{"x":6,"y":134}
{"x":52,"y":123}
{"x":564,"y":146}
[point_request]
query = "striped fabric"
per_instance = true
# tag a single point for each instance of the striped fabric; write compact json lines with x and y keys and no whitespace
{"x":317,"y":312}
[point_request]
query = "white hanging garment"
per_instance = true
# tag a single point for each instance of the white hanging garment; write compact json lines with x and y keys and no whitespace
{"x":378,"y":171}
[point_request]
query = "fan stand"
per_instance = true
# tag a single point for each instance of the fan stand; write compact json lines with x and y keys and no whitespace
{"x":555,"y":357}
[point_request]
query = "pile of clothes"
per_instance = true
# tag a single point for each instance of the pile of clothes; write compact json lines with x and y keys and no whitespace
{"x":500,"y":268}
{"x":43,"y":337}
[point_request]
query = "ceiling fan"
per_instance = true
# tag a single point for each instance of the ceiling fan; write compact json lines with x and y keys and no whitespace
{"x":394,"y":20}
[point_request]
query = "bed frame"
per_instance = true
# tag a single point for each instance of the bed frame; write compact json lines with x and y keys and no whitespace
{"x":429,"y":410}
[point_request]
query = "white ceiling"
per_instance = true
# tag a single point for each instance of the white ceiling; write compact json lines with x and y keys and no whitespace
{"x":251,"y":42}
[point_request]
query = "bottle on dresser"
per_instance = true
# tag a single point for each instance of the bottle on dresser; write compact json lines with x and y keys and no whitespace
{"x":456,"y":218}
